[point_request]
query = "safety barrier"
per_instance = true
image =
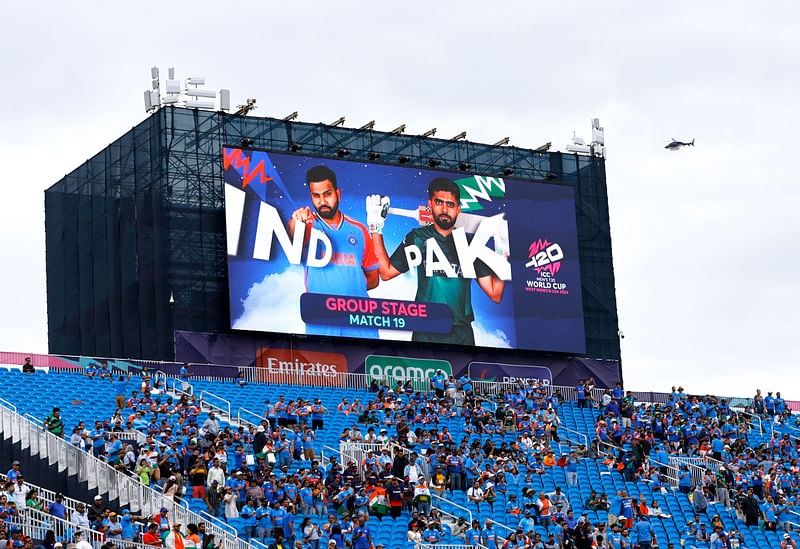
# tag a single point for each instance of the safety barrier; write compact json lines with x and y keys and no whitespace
{"x":99,"y":476}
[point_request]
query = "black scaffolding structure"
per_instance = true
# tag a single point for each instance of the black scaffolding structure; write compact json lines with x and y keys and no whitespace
{"x":135,"y":236}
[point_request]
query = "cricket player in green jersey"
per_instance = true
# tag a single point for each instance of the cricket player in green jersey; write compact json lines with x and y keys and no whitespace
{"x":433,"y":250}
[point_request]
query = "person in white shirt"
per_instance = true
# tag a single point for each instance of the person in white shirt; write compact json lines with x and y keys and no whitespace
{"x":174,"y":539}
{"x":216,"y":473}
{"x":80,"y":518}
{"x":81,"y":543}
{"x":475,"y":494}
{"x":412,"y":471}
{"x":21,"y":491}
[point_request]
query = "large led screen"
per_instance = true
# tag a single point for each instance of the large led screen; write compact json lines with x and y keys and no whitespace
{"x":377,"y":251}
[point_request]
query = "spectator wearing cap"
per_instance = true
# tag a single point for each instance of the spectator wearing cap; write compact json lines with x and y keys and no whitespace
{"x":80,"y":518}
{"x":174,"y":540}
{"x":162,"y":520}
{"x":113,"y":526}
{"x":248,"y":513}
{"x":95,"y":509}
{"x":14,"y":472}
{"x":126,"y":521}
{"x":213,"y":499}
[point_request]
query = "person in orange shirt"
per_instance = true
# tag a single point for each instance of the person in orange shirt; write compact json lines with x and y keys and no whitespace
{"x":174,"y":539}
{"x":549,"y":460}
{"x":151,"y":536}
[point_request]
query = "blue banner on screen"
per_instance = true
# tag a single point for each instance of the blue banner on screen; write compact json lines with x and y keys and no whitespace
{"x":365,"y":250}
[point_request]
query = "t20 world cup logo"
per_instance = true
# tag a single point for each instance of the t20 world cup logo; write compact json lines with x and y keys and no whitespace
{"x":544,"y":255}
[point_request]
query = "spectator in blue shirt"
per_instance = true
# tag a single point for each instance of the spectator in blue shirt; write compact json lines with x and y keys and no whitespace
{"x":362,"y":535}
{"x":248,"y":513}
{"x":57,"y":508}
{"x":643,"y":533}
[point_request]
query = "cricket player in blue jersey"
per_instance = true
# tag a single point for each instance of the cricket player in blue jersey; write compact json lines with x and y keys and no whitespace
{"x":353,"y":267}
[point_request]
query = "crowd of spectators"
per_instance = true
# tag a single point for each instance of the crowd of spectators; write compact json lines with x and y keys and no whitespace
{"x":265,"y":476}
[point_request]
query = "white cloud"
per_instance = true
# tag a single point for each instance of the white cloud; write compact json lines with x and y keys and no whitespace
{"x":273,"y":305}
{"x":489,"y":338}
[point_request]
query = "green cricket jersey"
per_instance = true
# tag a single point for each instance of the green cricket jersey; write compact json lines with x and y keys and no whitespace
{"x":439,"y":288}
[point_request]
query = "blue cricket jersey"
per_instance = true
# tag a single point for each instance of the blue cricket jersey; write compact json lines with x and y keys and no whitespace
{"x":352,"y":254}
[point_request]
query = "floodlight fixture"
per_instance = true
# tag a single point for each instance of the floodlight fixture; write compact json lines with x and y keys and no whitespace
{"x":578,"y":145}
{"x":170,"y":100}
{"x":171,"y":299}
{"x":398,"y":130}
{"x":549,"y":176}
{"x":433,"y":162}
{"x":368,"y":126}
{"x":197,"y":92}
{"x":154,"y":73}
{"x":462,"y":135}
{"x":294,"y":147}
{"x":171,"y":73}
{"x":373,"y":155}
{"x":502,"y":142}
{"x":464,"y":166}
{"x":543,"y":148}
{"x":224,"y":100}
{"x":196,"y":80}
{"x":192,"y":104}
{"x":598,"y":133}
{"x":290,"y":117}
{"x":148,"y":101}
{"x":403,"y":159}
{"x":338,"y":122}
{"x":247,"y":142}
{"x":173,"y":86}
{"x":507,"y":171}
{"x":430,"y":133}
{"x":342,"y":152}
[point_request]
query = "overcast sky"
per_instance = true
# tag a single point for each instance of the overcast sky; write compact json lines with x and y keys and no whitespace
{"x":704,"y":239}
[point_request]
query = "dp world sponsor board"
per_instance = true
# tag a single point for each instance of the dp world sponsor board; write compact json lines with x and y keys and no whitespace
{"x":510,"y":373}
{"x":474,"y":260}
{"x":395,"y":369}
{"x":286,"y":365}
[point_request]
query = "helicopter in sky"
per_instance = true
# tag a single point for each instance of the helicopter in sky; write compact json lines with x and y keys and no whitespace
{"x":674,"y":145}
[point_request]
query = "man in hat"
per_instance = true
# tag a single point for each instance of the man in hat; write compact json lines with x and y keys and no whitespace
{"x":79,"y":517}
{"x":174,"y":539}
{"x":96,"y":509}
{"x":14,"y":472}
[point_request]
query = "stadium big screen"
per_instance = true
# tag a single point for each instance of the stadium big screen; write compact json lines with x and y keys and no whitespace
{"x":378,"y":251}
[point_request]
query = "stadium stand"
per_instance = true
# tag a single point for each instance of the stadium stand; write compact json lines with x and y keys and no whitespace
{"x":458,"y":463}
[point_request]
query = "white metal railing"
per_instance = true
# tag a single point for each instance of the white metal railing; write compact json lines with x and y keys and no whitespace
{"x":223,"y":405}
{"x":446,"y":502}
{"x":251,"y":414}
{"x":36,"y":523}
{"x":48,"y":496}
{"x":753,"y":419}
{"x":276,"y":373}
{"x":447,"y":546}
{"x":99,"y":476}
{"x":580,"y":435}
